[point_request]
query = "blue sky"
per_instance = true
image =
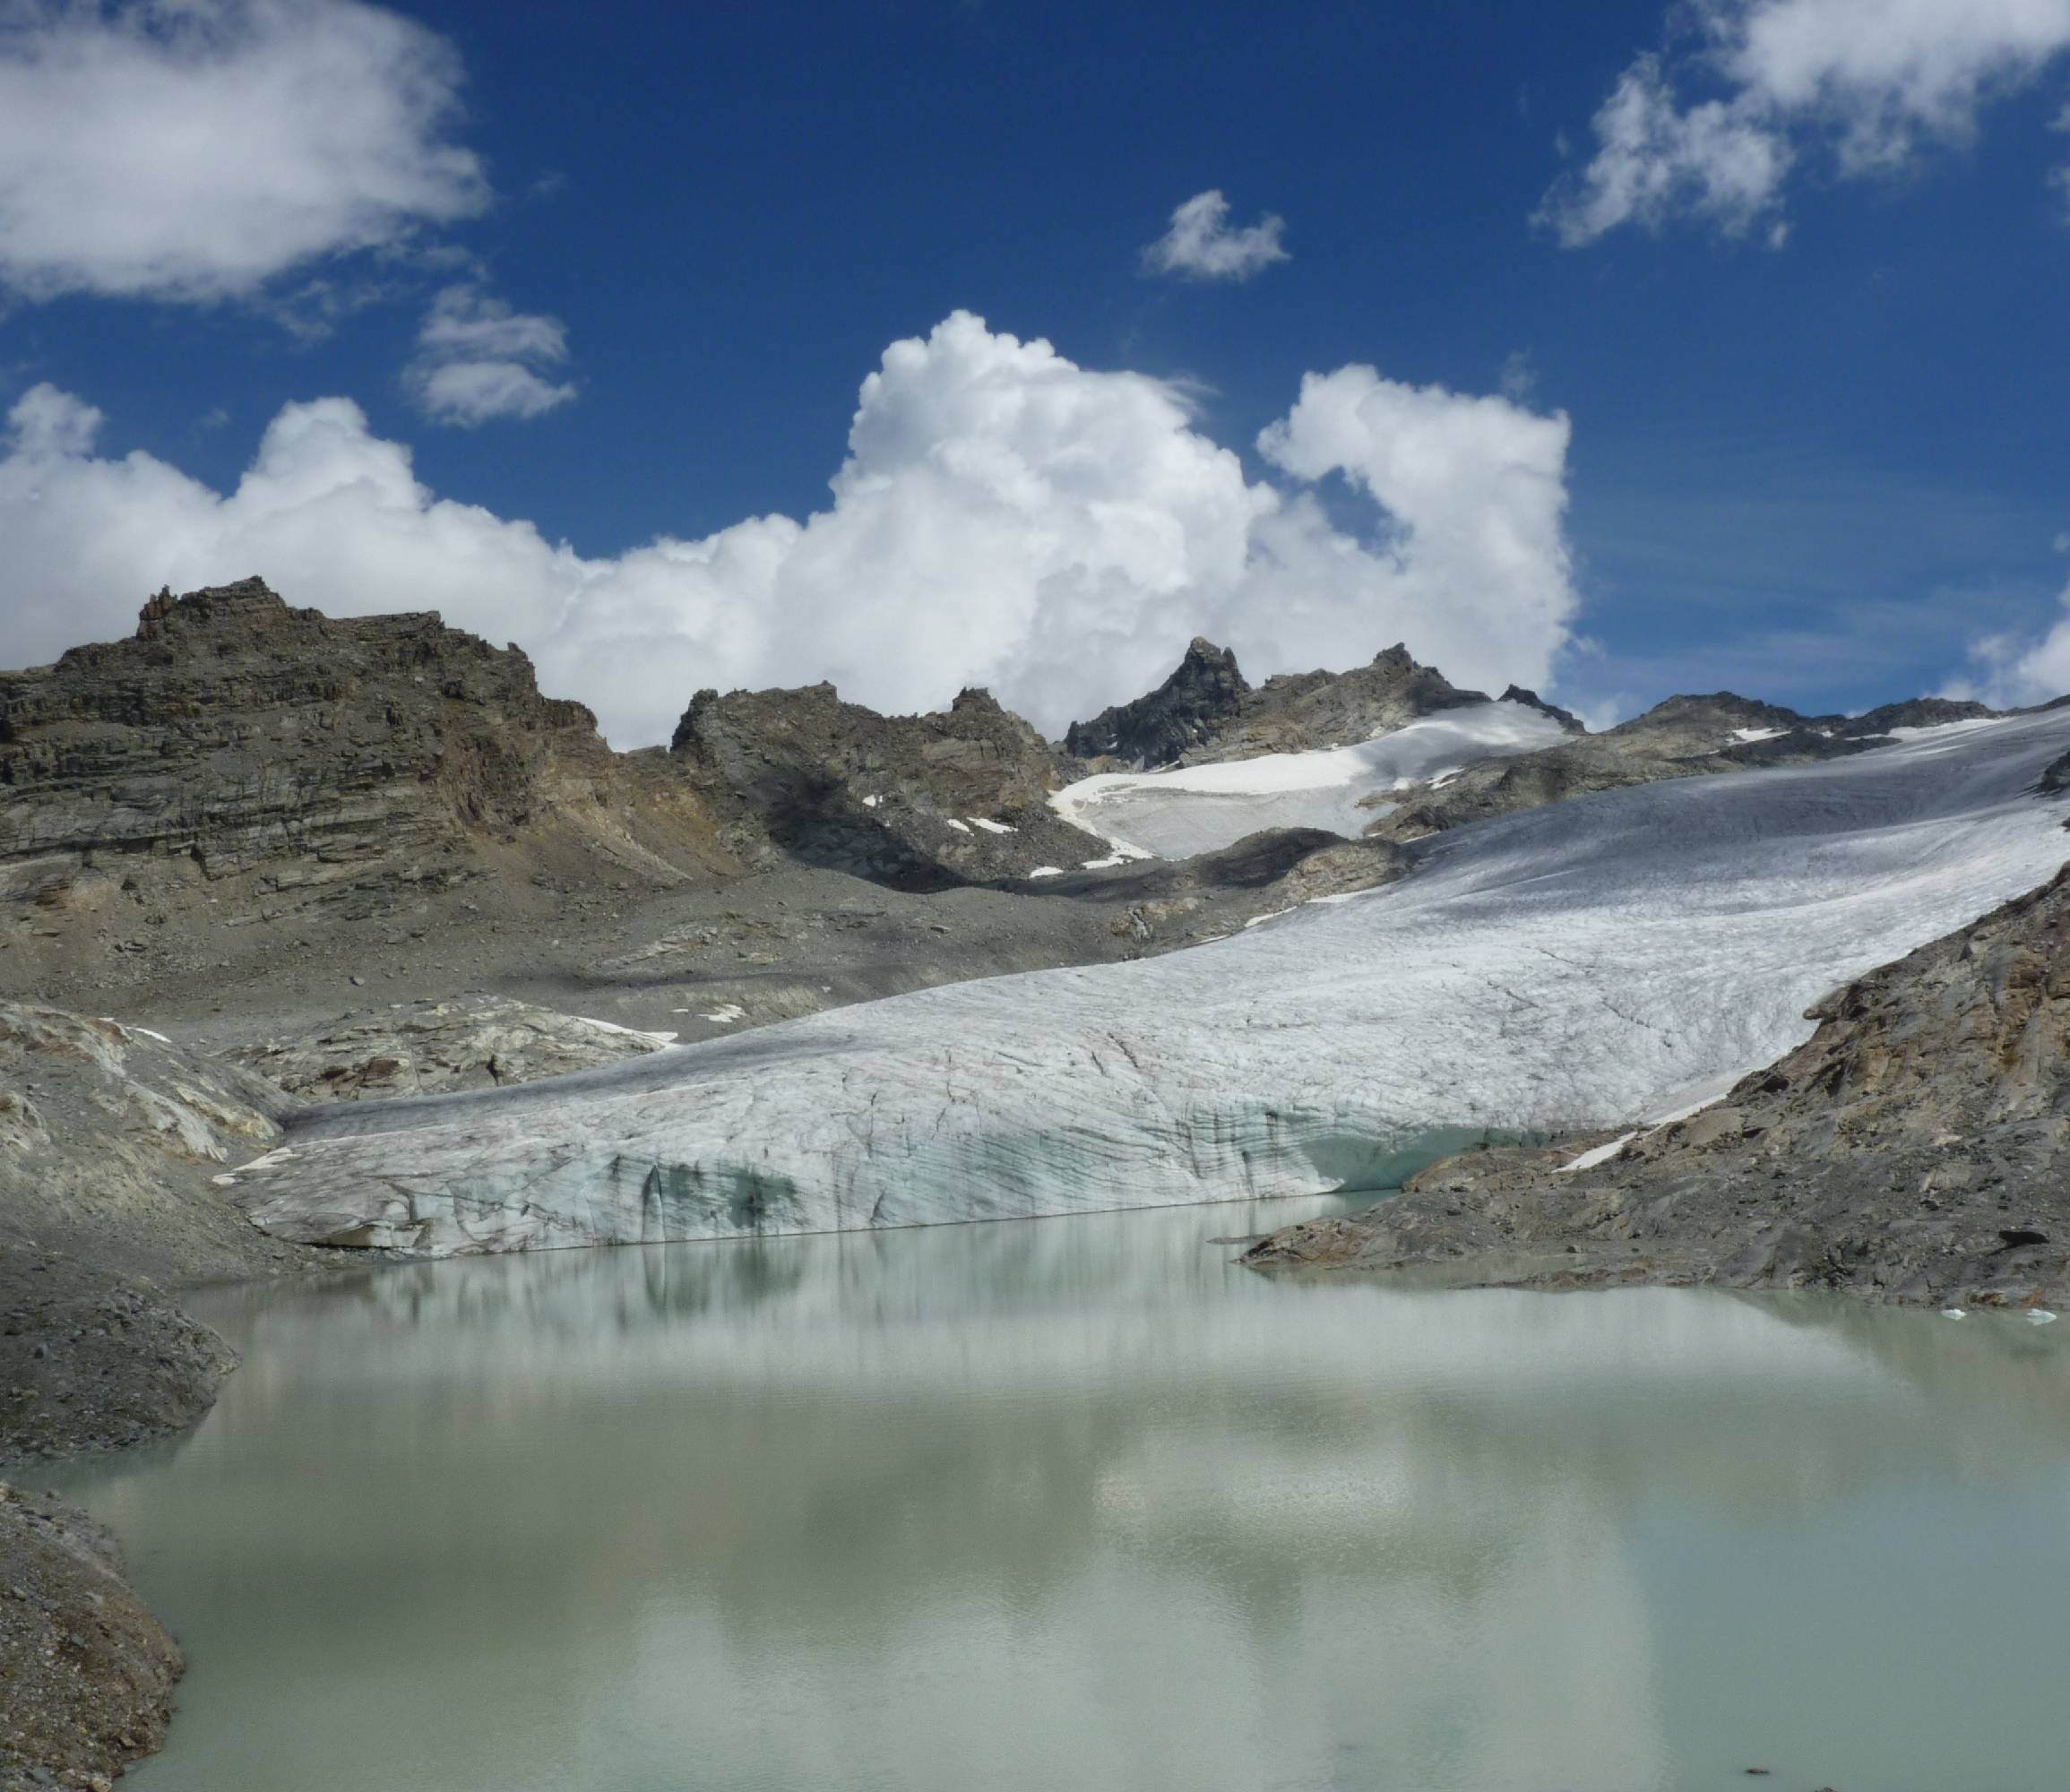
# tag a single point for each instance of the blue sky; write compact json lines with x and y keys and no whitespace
{"x":1820,"y":469}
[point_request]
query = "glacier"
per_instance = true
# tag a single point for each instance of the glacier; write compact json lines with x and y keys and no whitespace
{"x":1594,"y":963}
{"x":1202,"y":808}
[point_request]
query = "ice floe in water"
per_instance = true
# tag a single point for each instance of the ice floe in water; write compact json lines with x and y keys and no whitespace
{"x":1598,"y":962}
{"x":1202,"y":808}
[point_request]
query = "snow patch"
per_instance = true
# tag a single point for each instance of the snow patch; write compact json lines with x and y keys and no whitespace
{"x":1747,"y":735}
{"x":1944,"y":730}
{"x":727,"y":1013}
{"x":278,"y":1155}
{"x":656,"y":1040}
{"x":1046,"y":871}
{"x":1202,"y":809}
{"x":960,"y":827}
{"x":871,"y":802}
{"x":994,"y":827}
{"x":1598,"y":1154}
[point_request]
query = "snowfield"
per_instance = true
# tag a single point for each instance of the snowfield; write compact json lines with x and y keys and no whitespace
{"x":1597,"y":962}
{"x":1202,"y":808}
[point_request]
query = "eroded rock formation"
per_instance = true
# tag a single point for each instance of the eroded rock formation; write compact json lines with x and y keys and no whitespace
{"x":920,"y":802}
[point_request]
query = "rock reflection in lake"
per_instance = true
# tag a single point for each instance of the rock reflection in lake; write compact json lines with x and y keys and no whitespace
{"x":1078,"y":1502}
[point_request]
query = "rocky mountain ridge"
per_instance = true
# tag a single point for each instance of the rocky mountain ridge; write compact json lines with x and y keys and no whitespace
{"x":916,"y":802}
{"x":1683,"y":737}
{"x":1208,"y":712}
{"x":240,"y":741}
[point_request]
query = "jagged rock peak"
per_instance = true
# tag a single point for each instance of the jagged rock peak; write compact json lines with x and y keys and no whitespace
{"x":1207,"y":710}
{"x":163,"y":612}
{"x":1206,"y":689}
{"x":1531,"y":700}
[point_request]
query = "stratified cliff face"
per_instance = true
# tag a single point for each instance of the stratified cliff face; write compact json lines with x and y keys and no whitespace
{"x":920,"y":802}
{"x":1208,"y":712}
{"x":1913,"y":1148}
{"x":235,"y":743}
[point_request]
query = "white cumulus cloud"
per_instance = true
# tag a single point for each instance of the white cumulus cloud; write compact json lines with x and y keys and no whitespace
{"x":193,"y":149}
{"x":1861,"y":85}
{"x":2008,"y":670}
{"x":477,"y":360}
{"x":1200,"y":244}
{"x":1003,"y":517}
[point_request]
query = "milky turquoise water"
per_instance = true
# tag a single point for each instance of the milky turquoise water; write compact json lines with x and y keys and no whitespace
{"x":1077,"y":1504}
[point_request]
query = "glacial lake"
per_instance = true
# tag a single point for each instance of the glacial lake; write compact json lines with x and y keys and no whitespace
{"x":1078,"y":1503}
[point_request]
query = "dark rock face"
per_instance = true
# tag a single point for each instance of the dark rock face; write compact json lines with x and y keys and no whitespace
{"x":1917,"y":1148}
{"x":1207,"y":710}
{"x":917,"y":802}
{"x":234,"y":741}
{"x":1531,"y":700}
{"x":1191,"y":708}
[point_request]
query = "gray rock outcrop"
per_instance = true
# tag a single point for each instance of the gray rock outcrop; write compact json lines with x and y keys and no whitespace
{"x":917,"y":802}
{"x":431,"y":1048}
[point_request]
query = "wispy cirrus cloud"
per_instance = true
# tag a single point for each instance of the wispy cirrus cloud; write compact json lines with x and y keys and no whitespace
{"x":1753,"y":92}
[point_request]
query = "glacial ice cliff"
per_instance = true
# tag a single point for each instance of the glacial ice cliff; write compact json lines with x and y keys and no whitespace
{"x":1590,"y":962}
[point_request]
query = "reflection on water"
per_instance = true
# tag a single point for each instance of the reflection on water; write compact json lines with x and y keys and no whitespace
{"x":1077,"y":1503}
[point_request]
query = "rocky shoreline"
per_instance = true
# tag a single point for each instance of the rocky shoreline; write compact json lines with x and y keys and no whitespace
{"x":109,"y":1138}
{"x":89,"y":1362}
{"x":86,"y":1672}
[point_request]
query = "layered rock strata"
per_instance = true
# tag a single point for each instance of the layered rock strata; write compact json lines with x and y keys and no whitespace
{"x":274,"y":753}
